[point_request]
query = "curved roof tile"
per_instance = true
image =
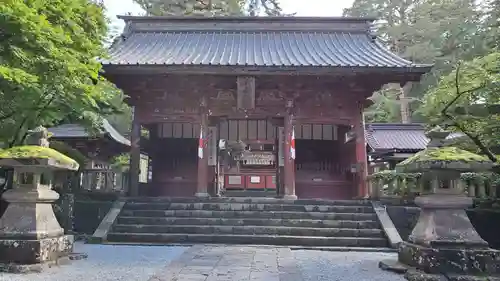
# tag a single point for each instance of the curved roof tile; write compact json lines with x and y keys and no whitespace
{"x":294,"y":43}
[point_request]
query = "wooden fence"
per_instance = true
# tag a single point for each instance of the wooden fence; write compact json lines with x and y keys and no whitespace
{"x":103,"y":180}
{"x":86,"y":196}
{"x":390,"y":183}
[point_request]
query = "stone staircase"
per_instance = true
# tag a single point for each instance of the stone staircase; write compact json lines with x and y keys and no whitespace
{"x":262,"y":221}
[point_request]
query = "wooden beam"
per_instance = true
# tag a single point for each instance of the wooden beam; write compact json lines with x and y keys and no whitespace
{"x":391,"y":74}
{"x":135,"y":156}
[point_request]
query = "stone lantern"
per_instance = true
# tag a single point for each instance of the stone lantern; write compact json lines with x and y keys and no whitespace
{"x":29,"y":231}
{"x":444,"y":242}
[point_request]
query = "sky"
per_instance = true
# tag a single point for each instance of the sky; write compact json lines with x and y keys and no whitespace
{"x":319,"y":8}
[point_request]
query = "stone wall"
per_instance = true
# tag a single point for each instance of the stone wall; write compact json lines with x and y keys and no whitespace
{"x":487,"y":224}
{"x":89,"y":210}
{"x":8,"y":185}
{"x":486,"y":221}
{"x":3,"y":206}
{"x":404,"y":218}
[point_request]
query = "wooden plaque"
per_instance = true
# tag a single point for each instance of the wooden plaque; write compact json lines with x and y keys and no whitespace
{"x":246,"y":92}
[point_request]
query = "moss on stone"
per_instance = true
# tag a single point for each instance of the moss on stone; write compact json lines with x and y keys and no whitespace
{"x":37,"y":152}
{"x":444,"y":154}
{"x":69,"y":151}
{"x":445,"y":158}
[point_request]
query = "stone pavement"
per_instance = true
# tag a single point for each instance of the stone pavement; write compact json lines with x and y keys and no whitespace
{"x":215,"y":263}
{"x":228,"y":263}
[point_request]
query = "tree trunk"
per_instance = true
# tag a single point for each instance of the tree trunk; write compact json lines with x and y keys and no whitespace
{"x":405,"y":103}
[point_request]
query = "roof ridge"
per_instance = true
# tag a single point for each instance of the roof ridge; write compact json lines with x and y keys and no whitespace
{"x":150,"y":23}
{"x":246,"y":18}
{"x":218,"y":30}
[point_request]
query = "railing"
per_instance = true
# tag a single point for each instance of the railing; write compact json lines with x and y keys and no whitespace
{"x":79,"y":189}
{"x":390,"y":183}
{"x":103,"y":180}
{"x":323,"y":166}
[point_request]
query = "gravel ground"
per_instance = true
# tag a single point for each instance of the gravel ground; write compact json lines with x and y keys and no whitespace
{"x":107,"y":263}
{"x":343,"y":266}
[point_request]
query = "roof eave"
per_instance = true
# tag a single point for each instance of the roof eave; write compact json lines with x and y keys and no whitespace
{"x":416,"y":71}
{"x":378,"y":151}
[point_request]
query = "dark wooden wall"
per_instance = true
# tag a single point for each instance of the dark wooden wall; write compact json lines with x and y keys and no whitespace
{"x":178,"y":130}
{"x":177,"y":98}
{"x":247,"y":130}
{"x":318,"y":103}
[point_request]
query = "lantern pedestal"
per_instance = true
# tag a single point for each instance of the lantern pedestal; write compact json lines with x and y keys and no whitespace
{"x":30,"y":235}
{"x":444,"y":244}
{"x":444,"y":241}
{"x":29,"y":230}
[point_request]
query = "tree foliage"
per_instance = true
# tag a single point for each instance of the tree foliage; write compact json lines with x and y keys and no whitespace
{"x":492,"y":23}
{"x":211,"y":7}
{"x":191,"y":7}
{"x":424,"y":31}
{"x":455,"y":100}
{"x":48,"y":68}
{"x":269,"y":7}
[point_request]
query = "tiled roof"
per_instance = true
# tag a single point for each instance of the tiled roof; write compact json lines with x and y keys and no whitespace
{"x":78,"y":131}
{"x":277,"y":42}
{"x":398,"y":137}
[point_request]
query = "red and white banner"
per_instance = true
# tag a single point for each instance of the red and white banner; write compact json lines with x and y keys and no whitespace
{"x":201,"y":144}
{"x":292,"y":143}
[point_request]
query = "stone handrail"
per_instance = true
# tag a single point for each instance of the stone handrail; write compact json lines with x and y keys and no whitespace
{"x":389,"y":183}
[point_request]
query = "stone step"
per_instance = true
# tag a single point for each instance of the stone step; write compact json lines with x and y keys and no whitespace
{"x":249,"y":214}
{"x":247,"y":239}
{"x":253,"y":200}
{"x":358,"y":224}
{"x":210,"y":206}
{"x":249,"y":230}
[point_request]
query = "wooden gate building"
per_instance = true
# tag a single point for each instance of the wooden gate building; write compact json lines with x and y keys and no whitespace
{"x":288,"y":90}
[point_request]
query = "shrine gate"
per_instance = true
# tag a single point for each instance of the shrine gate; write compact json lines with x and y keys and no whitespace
{"x":283,"y":96}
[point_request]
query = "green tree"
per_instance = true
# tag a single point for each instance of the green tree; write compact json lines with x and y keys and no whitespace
{"x":456,"y":99}
{"x":424,"y":31}
{"x":492,"y":23}
{"x":211,"y":7}
{"x":191,"y":7}
{"x":48,"y":67}
{"x":269,"y":7}
{"x":386,"y":106}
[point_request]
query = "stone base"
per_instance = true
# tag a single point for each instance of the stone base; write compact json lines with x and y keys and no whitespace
{"x":290,"y":197}
{"x":39,"y":267}
{"x":393,"y":266}
{"x":413,"y":275}
{"x":461,"y":261}
{"x":35,"y":251}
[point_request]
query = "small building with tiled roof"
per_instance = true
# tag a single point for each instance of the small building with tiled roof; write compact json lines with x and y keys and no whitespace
{"x":394,"y":142}
{"x":103,"y":144}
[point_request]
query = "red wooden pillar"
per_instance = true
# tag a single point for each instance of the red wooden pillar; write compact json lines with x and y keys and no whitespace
{"x":202,"y":183}
{"x":135,"y":156}
{"x":361,"y":155}
{"x":289,"y":167}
